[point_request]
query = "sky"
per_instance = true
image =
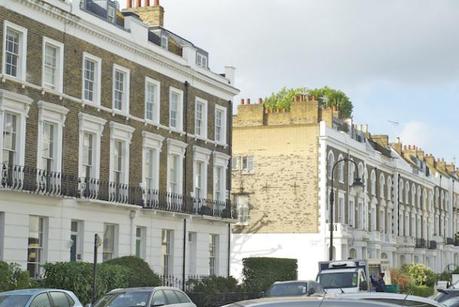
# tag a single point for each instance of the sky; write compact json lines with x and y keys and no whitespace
{"x":398,"y":61}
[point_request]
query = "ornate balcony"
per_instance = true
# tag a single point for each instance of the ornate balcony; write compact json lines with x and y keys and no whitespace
{"x":421,"y":243}
{"x":450,"y":241}
{"x":32,"y":180}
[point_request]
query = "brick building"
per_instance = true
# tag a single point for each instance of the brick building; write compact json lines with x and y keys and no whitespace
{"x":282,"y":165}
{"x":111,"y":125}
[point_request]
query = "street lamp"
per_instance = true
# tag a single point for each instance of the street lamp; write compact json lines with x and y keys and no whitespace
{"x":357,"y":185}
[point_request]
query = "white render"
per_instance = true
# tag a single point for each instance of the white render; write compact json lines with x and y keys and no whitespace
{"x":17,"y":207}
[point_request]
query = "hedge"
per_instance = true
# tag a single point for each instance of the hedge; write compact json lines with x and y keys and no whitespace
{"x":77,"y":277}
{"x":12,"y":277}
{"x":260,"y":273}
{"x":140,"y":273}
{"x":423,"y":291}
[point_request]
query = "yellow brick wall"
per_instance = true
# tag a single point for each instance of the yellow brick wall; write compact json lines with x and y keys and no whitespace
{"x":283,"y":189}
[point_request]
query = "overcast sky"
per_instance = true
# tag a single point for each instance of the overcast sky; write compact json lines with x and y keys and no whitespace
{"x":397,"y":60}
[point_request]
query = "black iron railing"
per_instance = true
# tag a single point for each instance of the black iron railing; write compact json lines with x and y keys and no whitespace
{"x":421,"y":243}
{"x":33,"y":180}
{"x":432,"y":244}
{"x":450,"y":241}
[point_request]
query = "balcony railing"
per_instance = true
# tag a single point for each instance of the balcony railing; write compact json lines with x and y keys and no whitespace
{"x":450,"y":241}
{"x":32,"y":180}
{"x":421,"y":243}
{"x":432,"y":244}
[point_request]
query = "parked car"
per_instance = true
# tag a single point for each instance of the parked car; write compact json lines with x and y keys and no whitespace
{"x":392,"y":298}
{"x":146,"y":297}
{"x":305,"y":301}
{"x":294,"y":288}
{"x":446,"y":294}
{"x":39,"y":298}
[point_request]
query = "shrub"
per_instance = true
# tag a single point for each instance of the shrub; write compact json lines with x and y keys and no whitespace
{"x":140,"y":273}
{"x":77,"y":277}
{"x":423,"y":291}
{"x":260,"y":273}
{"x":420,"y":274}
{"x":401,"y":279}
{"x":12,"y":277}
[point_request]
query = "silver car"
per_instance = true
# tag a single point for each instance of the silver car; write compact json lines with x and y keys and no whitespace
{"x":39,"y":297}
{"x":392,"y":298}
{"x":145,"y":297}
{"x":302,"y":301}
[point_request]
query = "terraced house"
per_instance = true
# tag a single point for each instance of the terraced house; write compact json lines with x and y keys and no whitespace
{"x":111,"y":125}
{"x":282,"y":179}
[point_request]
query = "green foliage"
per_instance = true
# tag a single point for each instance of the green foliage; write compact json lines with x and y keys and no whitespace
{"x":423,"y":291}
{"x":327,"y":97}
{"x":420,"y":274}
{"x":77,"y":277}
{"x":214,"y":285}
{"x":140,"y":273}
{"x":260,"y":273}
{"x":12,"y":277}
{"x":283,"y":98}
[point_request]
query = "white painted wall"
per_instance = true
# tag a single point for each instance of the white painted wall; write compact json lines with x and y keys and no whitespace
{"x":308,"y":249}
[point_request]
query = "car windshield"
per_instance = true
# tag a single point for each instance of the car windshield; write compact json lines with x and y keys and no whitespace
{"x":124,"y":299}
{"x":13,"y":300}
{"x":338,"y":280}
{"x":290,"y":289}
{"x":443,"y":295}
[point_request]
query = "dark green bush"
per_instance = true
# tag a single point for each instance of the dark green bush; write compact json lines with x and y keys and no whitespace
{"x":12,"y":277}
{"x":77,"y":277}
{"x":260,"y":273}
{"x":140,"y":273}
{"x":423,"y":291}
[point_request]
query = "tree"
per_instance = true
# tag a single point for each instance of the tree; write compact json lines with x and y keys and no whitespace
{"x":326,"y":96}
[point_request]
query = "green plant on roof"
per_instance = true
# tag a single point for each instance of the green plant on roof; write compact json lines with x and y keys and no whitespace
{"x":327,"y":97}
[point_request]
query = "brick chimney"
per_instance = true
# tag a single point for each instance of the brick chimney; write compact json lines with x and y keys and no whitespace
{"x":152,"y":15}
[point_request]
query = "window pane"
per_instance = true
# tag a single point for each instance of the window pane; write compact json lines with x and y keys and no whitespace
{"x":12,"y":52}
{"x":60,"y":299}
{"x":109,"y":242}
{"x":50,"y":66}
{"x":173,"y":109}
{"x":150,"y":100}
{"x":9,"y":138}
{"x":89,"y":79}
{"x":119,"y":93}
{"x":41,"y":300}
{"x":159,"y":298}
{"x":171,"y":297}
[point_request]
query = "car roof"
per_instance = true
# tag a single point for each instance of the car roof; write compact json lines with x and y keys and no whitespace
{"x":385,"y":295}
{"x":321,"y":301}
{"x":31,"y":291}
{"x":291,"y":282}
{"x":143,"y":289}
{"x":344,"y":270}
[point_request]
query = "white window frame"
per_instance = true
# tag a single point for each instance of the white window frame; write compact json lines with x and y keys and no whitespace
{"x":157,"y":102}
{"x":169,"y":253}
{"x":243,"y":209}
{"x":95,"y":126}
{"x":80,"y":238}
{"x":143,"y":242}
{"x":214,"y":245}
{"x":19,"y":105}
{"x":55,"y":114}
{"x":97,"y":78}
{"x":202,"y":155}
{"x":177,"y":148}
{"x":59,"y":82}
{"x":203,"y":127}
{"x":22,"y":63}
{"x":44,"y":244}
{"x":114,"y":252}
{"x":152,"y":142}
{"x":122,"y":133}
{"x":250,"y":161}
{"x":202,"y":60}
{"x":223,"y":140}
{"x":221,"y":160}
{"x":125,"y":103}
{"x":179,"y":119}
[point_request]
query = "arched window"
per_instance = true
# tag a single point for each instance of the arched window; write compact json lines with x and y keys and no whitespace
{"x":351,"y":172}
{"x":341,"y":169}
{"x":389,"y":188}
{"x":352,"y":253}
{"x":413,"y":195}
{"x":330,"y":162}
{"x":419,"y":197}
{"x":382,"y":184}
{"x":373,"y":182}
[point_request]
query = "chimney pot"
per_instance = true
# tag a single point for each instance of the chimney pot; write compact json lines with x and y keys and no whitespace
{"x":138,"y":3}
{"x":156,"y":2}
{"x":147,"y":2}
{"x":242,"y":101}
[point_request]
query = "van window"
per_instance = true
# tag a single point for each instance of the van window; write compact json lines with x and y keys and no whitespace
{"x":182,"y":297}
{"x":171,"y":297}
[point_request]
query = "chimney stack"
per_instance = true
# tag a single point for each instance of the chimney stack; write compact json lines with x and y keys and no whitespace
{"x":153,"y":16}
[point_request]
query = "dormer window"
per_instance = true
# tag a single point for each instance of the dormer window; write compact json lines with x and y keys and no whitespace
{"x":201,"y":60}
{"x":111,"y":14}
{"x":164,"y":42}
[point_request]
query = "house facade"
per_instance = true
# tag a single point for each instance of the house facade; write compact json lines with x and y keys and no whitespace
{"x":111,"y":125}
{"x":282,"y":179}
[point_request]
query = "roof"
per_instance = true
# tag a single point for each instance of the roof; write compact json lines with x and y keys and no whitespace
{"x":140,"y":289}
{"x":29,"y":291}
{"x":291,"y":282}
